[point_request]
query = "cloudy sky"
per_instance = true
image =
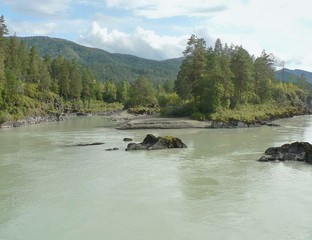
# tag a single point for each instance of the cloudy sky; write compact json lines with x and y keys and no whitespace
{"x":159,"y":29}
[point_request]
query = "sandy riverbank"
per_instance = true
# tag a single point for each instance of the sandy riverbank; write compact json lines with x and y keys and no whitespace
{"x":130,"y":121}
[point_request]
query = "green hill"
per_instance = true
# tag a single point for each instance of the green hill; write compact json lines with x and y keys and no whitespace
{"x":289,"y":75}
{"x":105,"y":65}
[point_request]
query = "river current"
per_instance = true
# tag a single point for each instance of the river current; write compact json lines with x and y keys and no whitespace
{"x":215,"y":189}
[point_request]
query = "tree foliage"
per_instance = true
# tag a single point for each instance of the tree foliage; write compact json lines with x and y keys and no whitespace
{"x":223,"y":77}
{"x":141,"y":94}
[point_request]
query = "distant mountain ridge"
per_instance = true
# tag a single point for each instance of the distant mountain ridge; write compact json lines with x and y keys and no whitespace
{"x":288,"y":75}
{"x":105,"y":65}
{"x":117,"y":67}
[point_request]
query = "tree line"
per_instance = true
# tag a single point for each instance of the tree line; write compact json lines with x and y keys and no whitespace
{"x":210,"y":79}
{"x":227,"y":77}
{"x":30,"y":84}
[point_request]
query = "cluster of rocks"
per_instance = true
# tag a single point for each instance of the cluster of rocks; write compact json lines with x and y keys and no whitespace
{"x":297,"y":151}
{"x":151,"y":142}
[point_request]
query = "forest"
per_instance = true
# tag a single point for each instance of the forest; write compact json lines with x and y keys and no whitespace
{"x":227,"y":80}
{"x":219,"y":83}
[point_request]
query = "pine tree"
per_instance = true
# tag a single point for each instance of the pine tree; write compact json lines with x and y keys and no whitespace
{"x":3,"y":31}
{"x":264,"y":75}
{"x":33,"y":72}
{"x":243,"y":76}
{"x":192,"y":68}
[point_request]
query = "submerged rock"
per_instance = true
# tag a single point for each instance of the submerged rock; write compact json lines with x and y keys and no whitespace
{"x":297,"y":151}
{"x":86,"y":144}
{"x":127,"y":139}
{"x":112,"y":149}
{"x":151,"y":142}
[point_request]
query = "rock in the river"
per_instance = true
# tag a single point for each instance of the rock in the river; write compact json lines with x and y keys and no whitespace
{"x":112,"y":149}
{"x":127,"y":139}
{"x":151,"y":142}
{"x":297,"y":151}
{"x":86,"y":144}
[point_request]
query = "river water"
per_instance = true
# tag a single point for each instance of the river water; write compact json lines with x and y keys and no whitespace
{"x":215,"y":189}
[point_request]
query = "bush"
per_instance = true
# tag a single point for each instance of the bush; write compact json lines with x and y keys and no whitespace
{"x":4,"y":117}
{"x":198,"y":116}
{"x":184,"y":110}
{"x":143,"y":110}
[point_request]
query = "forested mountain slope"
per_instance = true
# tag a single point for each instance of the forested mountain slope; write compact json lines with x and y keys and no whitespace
{"x":105,"y":65}
{"x":289,"y":75}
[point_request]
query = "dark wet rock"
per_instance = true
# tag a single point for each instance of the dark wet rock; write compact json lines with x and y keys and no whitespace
{"x":86,"y":144}
{"x":127,"y":139}
{"x":112,"y":149}
{"x":151,"y":142}
{"x":135,"y":146}
{"x":297,"y":151}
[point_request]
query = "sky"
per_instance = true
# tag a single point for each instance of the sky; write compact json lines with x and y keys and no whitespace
{"x":159,"y":29}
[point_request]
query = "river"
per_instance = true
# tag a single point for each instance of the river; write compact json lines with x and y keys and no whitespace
{"x":215,"y":189}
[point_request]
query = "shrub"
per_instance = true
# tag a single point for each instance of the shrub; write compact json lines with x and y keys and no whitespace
{"x":4,"y":117}
{"x":198,"y":116}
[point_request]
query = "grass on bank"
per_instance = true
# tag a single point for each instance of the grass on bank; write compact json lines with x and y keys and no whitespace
{"x":246,"y":113}
{"x":255,"y":113}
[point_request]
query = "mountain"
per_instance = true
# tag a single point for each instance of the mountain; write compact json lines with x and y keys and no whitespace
{"x":105,"y":65}
{"x":288,"y":75}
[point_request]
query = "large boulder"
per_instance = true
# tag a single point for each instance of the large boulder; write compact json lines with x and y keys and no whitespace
{"x":297,"y":151}
{"x":151,"y":142}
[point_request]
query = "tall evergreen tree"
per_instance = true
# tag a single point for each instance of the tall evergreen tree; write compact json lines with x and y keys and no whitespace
{"x":33,"y":72}
{"x":264,"y":75}
{"x":192,"y":68}
{"x":243,"y":76}
{"x":3,"y":31}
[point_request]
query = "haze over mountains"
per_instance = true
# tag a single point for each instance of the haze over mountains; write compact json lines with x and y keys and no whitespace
{"x":117,"y":67}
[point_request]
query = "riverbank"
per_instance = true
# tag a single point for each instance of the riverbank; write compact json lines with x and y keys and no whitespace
{"x":32,"y":120}
{"x":228,"y":119}
{"x":126,"y":120}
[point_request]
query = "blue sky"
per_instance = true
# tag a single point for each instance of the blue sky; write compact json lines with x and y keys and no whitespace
{"x":159,"y":29}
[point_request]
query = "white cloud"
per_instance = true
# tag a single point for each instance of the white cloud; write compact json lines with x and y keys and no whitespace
{"x":165,"y":8}
{"x":280,"y":26}
{"x":36,"y":29}
{"x":142,"y":43}
{"x":40,"y":8}
{"x":48,"y":28}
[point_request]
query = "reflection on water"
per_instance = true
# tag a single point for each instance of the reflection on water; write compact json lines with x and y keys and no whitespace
{"x":214,"y":189}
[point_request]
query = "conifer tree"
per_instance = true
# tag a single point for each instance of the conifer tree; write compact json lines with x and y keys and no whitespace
{"x":3,"y":31}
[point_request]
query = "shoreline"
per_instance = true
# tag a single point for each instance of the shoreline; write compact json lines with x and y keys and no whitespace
{"x":128,"y":121}
{"x":30,"y":120}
